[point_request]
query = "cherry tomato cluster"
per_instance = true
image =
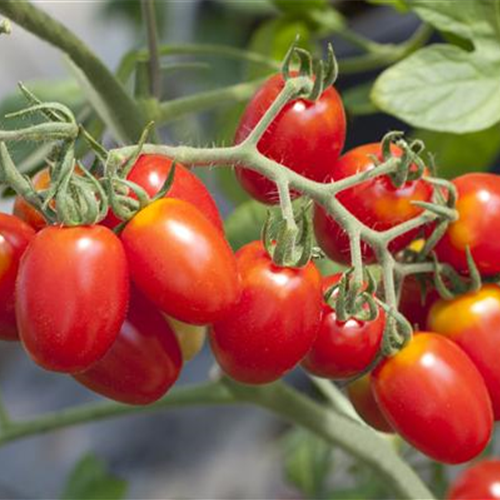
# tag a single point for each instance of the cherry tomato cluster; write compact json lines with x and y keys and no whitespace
{"x":120,"y":306}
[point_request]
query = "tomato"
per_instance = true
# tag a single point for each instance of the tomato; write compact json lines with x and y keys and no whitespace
{"x":143,"y":363}
{"x":412,"y":305}
{"x":362,"y":398}
{"x":306,"y":136}
{"x":275,"y":322}
{"x":376,"y":203}
{"x":481,"y":481}
{"x":151,"y":171}
{"x":479,"y":219}
{"x":15,"y":236}
{"x":25,"y":211}
{"x":191,"y":338}
{"x":473,"y":322}
{"x":434,"y":396}
{"x":72,"y":296}
{"x":344,"y":348}
{"x":181,"y":261}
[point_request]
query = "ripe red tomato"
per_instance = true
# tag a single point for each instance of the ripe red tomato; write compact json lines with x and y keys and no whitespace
{"x":275,"y":322}
{"x":72,"y":296}
{"x":151,"y":171}
{"x":479,"y":219}
{"x":181,"y":261}
{"x":25,"y":211}
{"x":361,"y":396}
{"x":481,"y":481}
{"x":143,"y":363}
{"x":306,"y":136}
{"x":15,"y":236}
{"x":343,"y":349}
{"x":473,"y":322}
{"x":412,"y":305}
{"x":376,"y":203}
{"x":434,"y":396}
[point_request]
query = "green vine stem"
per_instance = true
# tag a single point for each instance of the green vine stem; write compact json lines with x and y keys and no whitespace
{"x":127,"y":113}
{"x":149,"y":16}
{"x":333,"y":426}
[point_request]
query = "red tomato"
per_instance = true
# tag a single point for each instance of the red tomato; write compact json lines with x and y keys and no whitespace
{"x":412,"y":305}
{"x":376,"y":203}
{"x":181,"y":261}
{"x":15,"y":236}
{"x":306,"y":136}
{"x":25,"y":211}
{"x":72,"y":296}
{"x":434,"y":396}
{"x":361,"y":396}
{"x":479,"y":211}
{"x":275,"y":322}
{"x":473,"y":322}
{"x":343,"y":349}
{"x":143,"y":363}
{"x":481,"y":481}
{"x":151,"y":171}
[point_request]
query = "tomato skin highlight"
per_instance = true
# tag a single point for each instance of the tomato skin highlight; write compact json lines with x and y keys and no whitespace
{"x":275,"y":322}
{"x":343,"y":349}
{"x":376,"y":203}
{"x":151,"y":171}
{"x":361,"y":396}
{"x":181,"y":262}
{"x":143,"y":363}
{"x":478,"y":207}
{"x":72,"y":296}
{"x":15,"y":236}
{"x":480,"y":481}
{"x":433,"y":395}
{"x":306,"y":136}
{"x":472,"y":321}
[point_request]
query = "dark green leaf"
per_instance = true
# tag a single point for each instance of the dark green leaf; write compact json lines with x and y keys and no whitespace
{"x":298,"y":7}
{"x":89,"y":480}
{"x":357,"y":100}
{"x":447,"y":88}
{"x":244,"y":225}
{"x":308,"y":462}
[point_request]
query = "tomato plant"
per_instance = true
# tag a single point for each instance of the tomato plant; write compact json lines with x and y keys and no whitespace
{"x":306,"y":136}
{"x":181,"y":262}
{"x":72,"y":296}
{"x":15,"y":236}
{"x":479,"y":481}
{"x":275,"y":322}
{"x":143,"y":362}
{"x":377,"y":203}
{"x":478,"y":208}
{"x":472,"y":321}
{"x":433,"y":395}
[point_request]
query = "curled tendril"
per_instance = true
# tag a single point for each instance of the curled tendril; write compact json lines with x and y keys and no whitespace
{"x":397,"y":331}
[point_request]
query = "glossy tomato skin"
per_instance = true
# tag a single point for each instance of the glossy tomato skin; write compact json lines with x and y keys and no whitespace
{"x":361,"y":396}
{"x":144,"y":361}
{"x":275,"y":322}
{"x":15,"y":236}
{"x":480,"y":481}
{"x":151,"y":171}
{"x":413,"y":306}
{"x":25,"y":211}
{"x":72,"y":296}
{"x":473,"y":322}
{"x":306,"y":136}
{"x":433,"y":395}
{"x":343,"y":349}
{"x":376,"y":203}
{"x":181,"y":262}
{"x":478,"y":207}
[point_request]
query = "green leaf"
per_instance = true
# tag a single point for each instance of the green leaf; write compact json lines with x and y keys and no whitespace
{"x":308,"y":462}
{"x":357,"y":100}
{"x":244,"y":225}
{"x":458,"y":154}
{"x":399,"y":5}
{"x":447,"y":88}
{"x":298,"y":7}
{"x":89,"y":480}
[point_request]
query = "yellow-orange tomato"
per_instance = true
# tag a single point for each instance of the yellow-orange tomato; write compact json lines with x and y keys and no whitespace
{"x":473,"y":322}
{"x":191,"y":338}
